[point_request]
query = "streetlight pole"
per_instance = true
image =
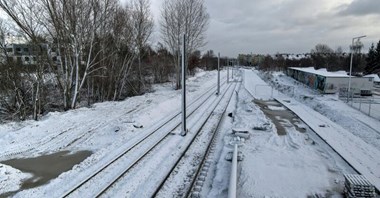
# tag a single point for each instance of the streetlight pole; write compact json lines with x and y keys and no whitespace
{"x":352,"y":56}
{"x":228,"y":71}
{"x":218,"y":91}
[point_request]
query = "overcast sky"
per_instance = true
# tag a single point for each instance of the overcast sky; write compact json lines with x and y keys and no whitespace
{"x":286,"y":26}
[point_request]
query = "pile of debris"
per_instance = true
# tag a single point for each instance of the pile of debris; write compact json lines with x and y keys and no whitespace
{"x":358,"y":186}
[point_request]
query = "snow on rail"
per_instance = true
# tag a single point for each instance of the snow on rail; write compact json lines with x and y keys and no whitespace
{"x":363,"y":157}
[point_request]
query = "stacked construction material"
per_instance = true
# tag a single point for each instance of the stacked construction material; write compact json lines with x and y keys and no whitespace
{"x":358,"y":186}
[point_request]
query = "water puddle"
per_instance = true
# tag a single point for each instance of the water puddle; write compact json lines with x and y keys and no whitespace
{"x":279,"y":115}
{"x":44,"y":168}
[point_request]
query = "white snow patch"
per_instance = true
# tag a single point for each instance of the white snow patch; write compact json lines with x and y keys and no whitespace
{"x":276,"y":108}
{"x":11,"y":178}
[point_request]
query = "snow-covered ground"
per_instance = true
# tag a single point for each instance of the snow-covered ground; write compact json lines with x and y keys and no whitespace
{"x":10,"y":178}
{"x":101,"y":129}
{"x":368,"y":105}
{"x":362,"y":156}
{"x":356,"y":122}
{"x":297,"y":164}
{"x":282,"y":158}
{"x":342,"y":131}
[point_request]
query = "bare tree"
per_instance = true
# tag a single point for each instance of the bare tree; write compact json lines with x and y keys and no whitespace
{"x":142,"y":28}
{"x":3,"y":32}
{"x":322,"y":49}
{"x":90,"y":46}
{"x":124,"y":42}
{"x":74,"y":26}
{"x":320,"y":55}
{"x":188,"y":17}
{"x":339,"y":50}
{"x":28,"y":16}
{"x":160,"y":68}
{"x":97,"y":39}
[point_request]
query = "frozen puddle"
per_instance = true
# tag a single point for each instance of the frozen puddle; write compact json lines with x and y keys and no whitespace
{"x":280,"y":116}
{"x":44,"y":168}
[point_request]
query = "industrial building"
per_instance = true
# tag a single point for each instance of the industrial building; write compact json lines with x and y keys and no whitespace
{"x":331,"y":82}
{"x":376,"y":79}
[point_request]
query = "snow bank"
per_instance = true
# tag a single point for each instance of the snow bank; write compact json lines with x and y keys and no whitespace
{"x":10,"y":178}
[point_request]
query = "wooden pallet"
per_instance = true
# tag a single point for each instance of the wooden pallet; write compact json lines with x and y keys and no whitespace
{"x":358,"y":186}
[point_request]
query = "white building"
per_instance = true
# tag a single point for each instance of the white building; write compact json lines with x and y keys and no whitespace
{"x":331,"y":82}
{"x":376,"y":79}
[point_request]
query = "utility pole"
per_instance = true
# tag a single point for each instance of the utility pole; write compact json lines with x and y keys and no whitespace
{"x":232,"y":69}
{"x":228,"y":71}
{"x":184,"y":130}
{"x":218,"y":92}
{"x":251,"y":61}
{"x":179,"y":64}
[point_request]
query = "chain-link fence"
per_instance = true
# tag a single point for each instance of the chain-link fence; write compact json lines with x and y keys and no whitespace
{"x":369,"y":105}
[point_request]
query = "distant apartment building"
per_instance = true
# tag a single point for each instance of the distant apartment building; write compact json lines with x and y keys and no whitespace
{"x":25,"y":54}
{"x":16,"y":49}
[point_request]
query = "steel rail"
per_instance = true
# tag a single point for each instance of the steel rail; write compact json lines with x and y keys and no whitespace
{"x":155,"y":129}
{"x":177,"y":162}
{"x":106,"y":188}
{"x":207,"y":153}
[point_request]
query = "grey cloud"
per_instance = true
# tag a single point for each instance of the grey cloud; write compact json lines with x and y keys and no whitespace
{"x":291,"y":26}
{"x":361,"y":7}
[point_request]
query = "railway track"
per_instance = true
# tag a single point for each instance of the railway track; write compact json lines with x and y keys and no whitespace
{"x":187,"y":158}
{"x":132,"y":153}
{"x":61,"y":138}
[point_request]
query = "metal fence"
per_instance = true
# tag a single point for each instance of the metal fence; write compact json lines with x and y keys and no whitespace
{"x":369,"y":105}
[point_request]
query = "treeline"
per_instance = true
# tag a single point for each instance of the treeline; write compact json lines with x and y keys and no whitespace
{"x":373,"y":59}
{"x":322,"y":56}
{"x":104,"y":51}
